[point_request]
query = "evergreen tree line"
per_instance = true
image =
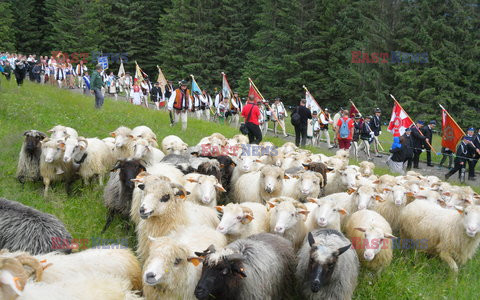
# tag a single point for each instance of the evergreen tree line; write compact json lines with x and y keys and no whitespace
{"x":280,"y":44}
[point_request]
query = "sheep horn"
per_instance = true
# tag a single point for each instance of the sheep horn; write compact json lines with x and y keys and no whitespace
{"x":234,"y":257}
{"x":33,"y":263}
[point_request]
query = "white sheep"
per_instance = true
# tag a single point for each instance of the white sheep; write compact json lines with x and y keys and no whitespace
{"x":163,"y":208}
{"x":144,"y":132}
{"x":110,"y":142}
{"x":172,"y":261}
{"x":365,"y":197}
{"x":395,"y":199}
{"x":261,"y":185}
{"x":326,"y":214}
{"x":59,"y":132}
{"x":287,"y":218}
{"x":242,"y":220}
{"x":245,"y":164}
{"x":452,"y":235}
{"x":91,"y":157}
{"x":341,"y":180}
{"x":295,"y":159}
{"x":172,"y":144}
{"x":203,"y":189}
{"x":366,"y":168}
{"x":123,"y":142}
{"x":303,"y":185}
{"x":370,"y":234}
{"x":52,"y":166}
{"x":143,"y":149}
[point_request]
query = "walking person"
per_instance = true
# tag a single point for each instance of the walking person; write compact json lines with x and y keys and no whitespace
{"x":428,"y":133}
{"x":206,"y":104}
{"x":136,"y":94}
{"x":357,"y":128}
{"x":60,"y":75}
{"x":251,"y":113}
{"x":397,"y":160}
{"x":301,"y":127}
{"x":112,"y":85}
{"x":236,"y":107}
{"x":408,"y":148}
{"x":366,"y":136}
{"x":197,"y":102}
{"x":80,"y":71}
{"x":345,"y":131}
{"x":86,"y":83}
{"x":156,"y":95}
{"x":279,"y":114}
{"x":376,"y":127}
{"x":315,"y":123}
{"x":475,"y":139}
{"x":446,"y":153}
{"x":418,"y":140}
{"x":465,"y":151}
{"x":336,"y":117}
{"x":325,"y":120}
{"x":96,"y":84}
{"x":20,"y":70}
{"x":7,"y":70}
{"x":181,"y":101}
{"x":221,"y":110}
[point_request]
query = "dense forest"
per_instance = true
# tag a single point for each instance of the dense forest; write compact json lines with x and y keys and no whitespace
{"x":280,"y":44}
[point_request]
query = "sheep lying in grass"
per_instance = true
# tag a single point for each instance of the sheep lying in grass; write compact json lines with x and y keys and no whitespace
{"x":52,"y":166}
{"x":171,"y":262}
{"x":28,"y":167}
{"x":258,"y":267}
{"x":203,"y":189}
{"x":370,"y":234}
{"x":163,"y":208}
{"x":91,"y":157}
{"x":27,"y":229}
{"x":450,"y":234}
{"x":242,"y":220}
{"x":172,"y":144}
{"x":327,"y":266}
{"x":123,"y":143}
{"x":287,"y":218}
{"x":261,"y":185}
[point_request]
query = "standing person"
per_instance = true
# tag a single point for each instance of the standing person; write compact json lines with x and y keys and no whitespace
{"x":156,"y":95}
{"x":60,"y":75}
{"x":127,"y":84}
{"x":168,"y":90}
{"x":336,"y":117}
{"x":206,"y":104}
{"x":345,"y":131}
{"x":408,"y":144}
{"x":69,"y":75}
{"x":221,"y":110}
{"x":475,"y":139}
{"x":263,"y":120}
{"x":280,"y":113}
{"x":366,"y":135}
{"x":464,"y":152}
{"x":325,"y":120}
{"x":80,"y":70}
{"x":7,"y":70}
{"x":36,"y":71}
{"x":96,"y":83}
{"x":376,"y":127}
{"x":357,"y":128}
{"x":236,"y":107}
{"x":251,"y":113}
{"x":301,"y":127}
{"x":428,"y":133}
{"x":181,"y":101}
{"x":146,"y":87}
{"x":396,"y":161}
{"x":315,"y":124}
{"x":418,"y":140}
{"x":112,"y":85}
{"x":446,"y":153}
{"x":20,"y":70}
{"x":136,"y":94}
{"x":197,"y":102}
{"x":86,"y":83}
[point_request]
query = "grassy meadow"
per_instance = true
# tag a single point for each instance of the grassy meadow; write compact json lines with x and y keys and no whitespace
{"x":412,"y":275}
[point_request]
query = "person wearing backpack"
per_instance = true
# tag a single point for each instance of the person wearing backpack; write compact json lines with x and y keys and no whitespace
{"x":300,"y":123}
{"x":345,"y":131}
{"x":251,"y":113}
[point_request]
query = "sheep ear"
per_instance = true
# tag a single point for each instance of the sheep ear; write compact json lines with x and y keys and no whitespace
{"x":312,"y":200}
{"x":113,"y":134}
{"x":389,"y":236}
{"x":342,"y":211}
{"x":219,"y":187}
{"x":409,"y":194}
{"x":131,"y":136}
{"x":343,"y":249}
{"x":286,"y":176}
{"x":61,"y":145}
{"x":303,"y":212}
{"x":306,"y":166}
{"x":311,"y":240}
{"x":219,"y":208}
{"x":379,"y":198}
{"x":362,"y":229}
{"x":270,"y":204}
{"x":192,"y":180}
{"x":330,"y":169}
{"x":387,"y":190}
{"x":459,"y":209}
{"x":247,"y":218}
{"x":442,"y":203}
{"x":376,"y":181}
{"x":195,"y":260}
{"x":448,"y":194}
{"x":351,"y":191}
{"x":420,"y":197}
{"x":25,"y":133}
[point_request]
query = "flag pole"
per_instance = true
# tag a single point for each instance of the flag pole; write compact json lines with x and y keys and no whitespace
{"x":256,"y":89}
{"x":375,"y":137}
{"x":451,"y":118}
{"x":414,"y":124}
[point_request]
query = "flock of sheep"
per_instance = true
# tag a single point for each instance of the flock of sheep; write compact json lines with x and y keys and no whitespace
{"x":283,"y":224}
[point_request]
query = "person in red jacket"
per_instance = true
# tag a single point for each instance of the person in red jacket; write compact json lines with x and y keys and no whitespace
{"x":251,"y":113}
{"x":345,"y":131}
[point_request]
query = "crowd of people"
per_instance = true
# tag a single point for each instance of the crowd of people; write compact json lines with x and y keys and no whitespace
{"x":351,"y":131}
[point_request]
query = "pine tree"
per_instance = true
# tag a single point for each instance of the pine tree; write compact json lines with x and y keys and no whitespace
{"x":6,"y":31}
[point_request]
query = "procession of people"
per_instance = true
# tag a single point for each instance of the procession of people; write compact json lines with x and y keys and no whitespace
{"x":352,"y":131}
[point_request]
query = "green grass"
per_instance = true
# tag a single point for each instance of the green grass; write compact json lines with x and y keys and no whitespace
{"x":411,"y":276}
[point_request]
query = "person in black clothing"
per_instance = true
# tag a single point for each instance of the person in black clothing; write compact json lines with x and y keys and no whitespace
{"x":447,"y":153}
{"x":156,"y":95}
{"x":20,"y":70}
{"x":357,"y":127}
{"x":408,"y":148}
{"x":465,"y":151}
{"x":301,"y":128}
{"x":428,"y":133}
{"x":376,"y":127}
{"x":397,"y":160}
{"x":417,"y":140}
{"x":37,"y":69}
{"x":475,"y":139}
{"x":366,"y":135}
{"x":7,"y":70}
